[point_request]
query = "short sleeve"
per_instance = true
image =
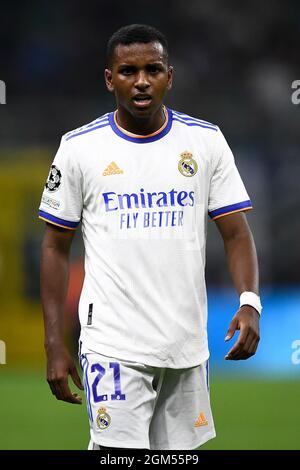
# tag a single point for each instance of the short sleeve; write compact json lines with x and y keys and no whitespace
{"x":61,"y":202}
{"x":227,"y":193}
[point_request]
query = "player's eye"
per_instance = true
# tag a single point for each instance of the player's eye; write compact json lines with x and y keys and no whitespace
{"x":154,"y":69}
{"x":126,"y":70}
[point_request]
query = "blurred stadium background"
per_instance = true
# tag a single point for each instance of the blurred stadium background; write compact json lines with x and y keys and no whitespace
{"x":234,"y":65}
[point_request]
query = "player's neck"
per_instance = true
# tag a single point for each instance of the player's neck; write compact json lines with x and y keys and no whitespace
{"x":141,"y":126}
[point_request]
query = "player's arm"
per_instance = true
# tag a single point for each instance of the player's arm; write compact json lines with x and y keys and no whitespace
{"x":242,"y":260}
{"x":54,"y":284}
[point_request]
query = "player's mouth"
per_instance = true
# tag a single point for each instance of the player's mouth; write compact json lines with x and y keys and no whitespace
{"x":142,"y":100}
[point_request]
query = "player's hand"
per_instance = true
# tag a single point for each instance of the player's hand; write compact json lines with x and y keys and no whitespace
{"x":246,"y":320}
{"x":59,"y":366}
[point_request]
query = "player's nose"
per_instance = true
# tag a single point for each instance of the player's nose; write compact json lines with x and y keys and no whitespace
{"x":142,"y":80}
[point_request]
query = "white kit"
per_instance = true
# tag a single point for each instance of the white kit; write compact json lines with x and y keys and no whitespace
{"x":143,"y":203}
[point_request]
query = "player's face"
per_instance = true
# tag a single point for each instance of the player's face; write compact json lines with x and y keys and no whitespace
{"x":139,"y":77}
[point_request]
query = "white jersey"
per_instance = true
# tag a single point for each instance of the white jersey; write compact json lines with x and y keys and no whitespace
{"x":143,"y":203}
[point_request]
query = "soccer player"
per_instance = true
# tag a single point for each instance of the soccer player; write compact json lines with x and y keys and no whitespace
{"x":142,"y":181}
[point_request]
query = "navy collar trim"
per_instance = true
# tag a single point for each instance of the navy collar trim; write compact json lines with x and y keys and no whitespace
{"x":141,"y":139}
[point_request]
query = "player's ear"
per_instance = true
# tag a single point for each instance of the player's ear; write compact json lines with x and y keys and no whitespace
{"x":170,"y":77}
{"x":108,"y":80}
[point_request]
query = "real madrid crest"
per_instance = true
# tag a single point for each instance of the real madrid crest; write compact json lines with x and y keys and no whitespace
{"x":103,"y":419}
{"x":187,"y":164}
{"x":54,"y":179}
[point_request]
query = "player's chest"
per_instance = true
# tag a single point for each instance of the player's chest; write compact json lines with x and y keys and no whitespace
{"x":153,"y":168}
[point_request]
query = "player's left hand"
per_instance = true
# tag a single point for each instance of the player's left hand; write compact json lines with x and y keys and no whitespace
{"x":246,"y":320}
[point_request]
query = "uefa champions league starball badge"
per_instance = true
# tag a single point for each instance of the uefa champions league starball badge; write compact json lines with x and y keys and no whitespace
{"x":103,"y":419}
{"x":54,"y":179}
{"x":187,"y":165}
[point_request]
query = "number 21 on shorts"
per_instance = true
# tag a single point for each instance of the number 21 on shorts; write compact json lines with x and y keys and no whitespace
{"x":116,"y":385}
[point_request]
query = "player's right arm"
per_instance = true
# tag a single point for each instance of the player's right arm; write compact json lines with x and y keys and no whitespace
{"x":54,"y":284}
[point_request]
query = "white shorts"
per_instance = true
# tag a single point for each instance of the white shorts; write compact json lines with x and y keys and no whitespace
{"x":132,"y":405}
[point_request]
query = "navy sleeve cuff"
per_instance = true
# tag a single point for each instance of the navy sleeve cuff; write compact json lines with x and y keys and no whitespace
{"x":226,"y":210}
{"x":57,"y":221}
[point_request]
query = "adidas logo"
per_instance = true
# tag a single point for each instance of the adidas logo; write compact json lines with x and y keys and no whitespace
{"x":112,"y":169}
{"x":201,"y":421}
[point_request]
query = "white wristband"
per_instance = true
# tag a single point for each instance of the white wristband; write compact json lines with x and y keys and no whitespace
{"x":252,"y":299}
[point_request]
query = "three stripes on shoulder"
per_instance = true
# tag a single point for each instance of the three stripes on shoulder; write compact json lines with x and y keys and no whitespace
{"x":103,"y":121}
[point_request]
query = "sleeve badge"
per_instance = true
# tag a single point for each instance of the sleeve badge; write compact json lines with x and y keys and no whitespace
{"x":54,"y":179}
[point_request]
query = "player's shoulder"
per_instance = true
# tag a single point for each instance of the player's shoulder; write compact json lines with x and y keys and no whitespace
{"x":196,"y":123}
{"x":88,"y":129}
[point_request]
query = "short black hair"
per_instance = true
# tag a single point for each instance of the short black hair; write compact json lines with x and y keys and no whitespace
{"x":135,"y":33}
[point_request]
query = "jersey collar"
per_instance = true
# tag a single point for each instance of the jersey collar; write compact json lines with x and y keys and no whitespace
{"x":142,"y":139}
